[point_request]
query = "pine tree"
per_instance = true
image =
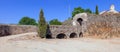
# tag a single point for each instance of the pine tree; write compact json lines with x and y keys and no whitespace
{"x":96,"y":11}
{"x":42,"y":25}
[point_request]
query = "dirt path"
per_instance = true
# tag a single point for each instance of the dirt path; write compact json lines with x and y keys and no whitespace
{"x":58,"y":45}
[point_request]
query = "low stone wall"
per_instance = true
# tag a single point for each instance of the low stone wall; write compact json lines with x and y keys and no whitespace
{"x":16,"y":29}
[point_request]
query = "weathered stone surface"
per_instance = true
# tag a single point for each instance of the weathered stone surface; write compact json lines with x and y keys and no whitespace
{"x":67,"y":30}
{"x":103,"y":26}
{"x":16,"y":29}
{"x":4,"y":30}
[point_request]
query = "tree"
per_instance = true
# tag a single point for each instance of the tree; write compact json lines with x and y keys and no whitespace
{"x":96,"y":10}
{"x":88,"y":11}
{"x":77,"y":10}
{"x":27,"y":21}
{"x":55,"y":22}
{"x":80,"y":10}
{"x":42,"y":25}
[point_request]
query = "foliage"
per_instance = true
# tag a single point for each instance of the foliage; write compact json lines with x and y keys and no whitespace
{"x":27,"y":21}
{"x":88,"y":11}
{"x":80,"y":10}
{"x":55,"y":22}
{"x":77,"y":10}
{"x":96,"y":11}
{"x":42,"y":25}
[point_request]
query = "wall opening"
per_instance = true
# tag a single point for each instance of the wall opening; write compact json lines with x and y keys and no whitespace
{"x":48,"y":36}
{"x":61,"y":36}
{"x":79,"y":20}
{"x":81,"y":34}
{"x":73,"y":35}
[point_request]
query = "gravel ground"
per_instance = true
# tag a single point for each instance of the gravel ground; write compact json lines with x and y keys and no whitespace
{"x":10,"y":44}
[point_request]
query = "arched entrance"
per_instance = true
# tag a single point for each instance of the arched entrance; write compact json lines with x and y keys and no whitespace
{"x":61,"y":36}
{"x":79,"y":20}
{"x":81,"y":34}
{"x":73,"y":35}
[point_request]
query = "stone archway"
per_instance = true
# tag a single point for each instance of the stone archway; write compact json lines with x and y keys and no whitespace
{"x":80,"y":20}
{"x":81,"y":34}
{"x":61,"y":36}
{"x":73,"y":35}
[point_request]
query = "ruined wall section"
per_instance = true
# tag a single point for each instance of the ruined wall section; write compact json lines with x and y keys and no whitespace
{"x":16,"y":29}
{"x":67,"y":30}
{"x":103,"y":26}
{"x":4,"y":30}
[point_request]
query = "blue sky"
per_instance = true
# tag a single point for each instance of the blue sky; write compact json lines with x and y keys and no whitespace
{"x":11,"y":11}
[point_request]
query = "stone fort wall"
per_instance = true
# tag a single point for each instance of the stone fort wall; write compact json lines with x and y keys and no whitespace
{"x":53,"y":30}
{"x":16,"y":29}
{"x":104,"y":26}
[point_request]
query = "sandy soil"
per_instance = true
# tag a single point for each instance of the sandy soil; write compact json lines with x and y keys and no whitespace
{"x":25,"y":43}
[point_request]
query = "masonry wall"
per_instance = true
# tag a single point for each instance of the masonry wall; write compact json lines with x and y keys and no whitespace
{"x":67,"y":30}
{"x":16,"y":29}
{"x":106,"y":26}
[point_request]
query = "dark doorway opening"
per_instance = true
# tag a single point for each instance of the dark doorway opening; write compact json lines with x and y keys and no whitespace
{"x":73,"y":35}
{"x":81,"y":34}
{"x":48,"y":36}
{"x":80,"y":21}
{"x":61,"y":36}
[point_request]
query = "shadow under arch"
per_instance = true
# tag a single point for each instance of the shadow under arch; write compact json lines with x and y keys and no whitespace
{"x":73,"y":35}
{"x":81,"y":34}
{"x":48,"y":33}
{"x":61,"y":36}
{"x":80,"y":20}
